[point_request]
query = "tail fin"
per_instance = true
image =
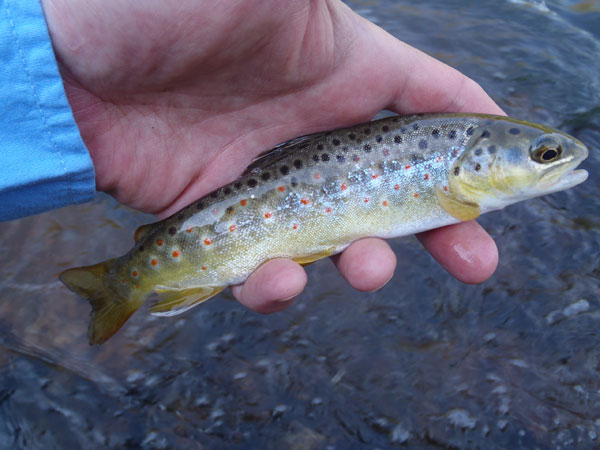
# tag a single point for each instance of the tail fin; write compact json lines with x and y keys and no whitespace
{"x":110,"y":310}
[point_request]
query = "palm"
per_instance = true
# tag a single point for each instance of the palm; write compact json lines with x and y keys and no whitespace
{"x":195,"y":92}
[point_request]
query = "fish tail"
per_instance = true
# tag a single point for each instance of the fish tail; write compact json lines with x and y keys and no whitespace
{"x":110,"y":308}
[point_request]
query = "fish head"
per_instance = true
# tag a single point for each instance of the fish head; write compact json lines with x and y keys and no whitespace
{"x":506,"y":161}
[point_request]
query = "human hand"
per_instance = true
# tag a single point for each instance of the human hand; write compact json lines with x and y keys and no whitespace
{"x":176,"y":99}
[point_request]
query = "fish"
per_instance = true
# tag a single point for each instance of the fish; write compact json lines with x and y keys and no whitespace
{"x":311,"y":197}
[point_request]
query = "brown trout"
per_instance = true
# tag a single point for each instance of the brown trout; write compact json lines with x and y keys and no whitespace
{"x":310,"y":198}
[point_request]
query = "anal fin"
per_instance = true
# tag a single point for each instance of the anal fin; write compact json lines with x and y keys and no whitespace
{"x":456,"y":208}
{"x":176,"y":301}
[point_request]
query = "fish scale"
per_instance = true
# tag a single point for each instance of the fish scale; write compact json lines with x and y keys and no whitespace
{"x":312,"y":197}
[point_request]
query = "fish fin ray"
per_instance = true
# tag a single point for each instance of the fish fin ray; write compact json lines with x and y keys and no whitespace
{"x":176,"y":301}
{"x":457,"y":208}
{"x":305,"y":260}
{"x":110,"y":310}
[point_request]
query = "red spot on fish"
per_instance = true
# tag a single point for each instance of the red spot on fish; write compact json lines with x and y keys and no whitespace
{"x":135,"y":273}
{"x":268,"y":215}
{"x":328,"y":210}
{"x":416,"y":195}
{"x":137,"y":286}
{"x":123,"y":281}
{"x":396,"y":186}
{"x":445,"y":188}
{"x":189,"y":230}
{"x":305,"y":201}
{"x":295,"y":226}
{"x":374,"y":176}
{"x":154,"y":262}
{"x":386,"y":152}
{"x":356,"y":158}
{"x":159,"y":242}
{"x":407,"y":166}
{"x":317,"y":176}
{"x":343,"y":187}
{"x":281,"y":188}
{"x":232,"y":228}
{"x":426,"y":176}
{"x":203,"y":267}
{"x":175,"y":254}
{"x":439,"y":159}
{"x":366,"y":200}
{"x":243,"y":202}
{"x":385,"y":203}
{"x":207,"y":241}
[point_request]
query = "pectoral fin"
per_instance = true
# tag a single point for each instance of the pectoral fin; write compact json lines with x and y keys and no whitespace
{"x":176,"y":301}
{"x":458,"y":208}
{"x":141,"y":232}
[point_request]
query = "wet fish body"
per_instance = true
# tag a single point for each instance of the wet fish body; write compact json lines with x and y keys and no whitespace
{"x":312,"y":197}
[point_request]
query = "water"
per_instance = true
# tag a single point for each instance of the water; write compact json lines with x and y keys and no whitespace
{"x":424,"y":363}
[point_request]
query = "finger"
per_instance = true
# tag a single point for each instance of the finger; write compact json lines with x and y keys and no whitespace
{"x":415,"y":82}
{"x":465,"y":250}
{"x":368,"y":264}
{"x":272,"y":287}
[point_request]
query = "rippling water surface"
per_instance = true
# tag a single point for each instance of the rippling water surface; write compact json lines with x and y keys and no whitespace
{"x":424,"y":363}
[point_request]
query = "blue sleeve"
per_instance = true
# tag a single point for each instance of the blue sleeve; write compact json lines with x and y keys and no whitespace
{"x":43,"y":161}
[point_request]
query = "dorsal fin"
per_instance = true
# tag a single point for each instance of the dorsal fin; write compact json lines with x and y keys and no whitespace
{"x":141,"y":232}
{"x":282,"y":150}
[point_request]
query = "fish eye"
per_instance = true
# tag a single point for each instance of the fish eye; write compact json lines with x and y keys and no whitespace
{"x":546,"y":151}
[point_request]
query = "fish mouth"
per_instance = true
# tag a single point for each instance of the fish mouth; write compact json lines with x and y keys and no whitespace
{"x":568,"y":180}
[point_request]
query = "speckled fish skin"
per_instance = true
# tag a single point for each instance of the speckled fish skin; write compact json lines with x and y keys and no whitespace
{"x":312,"y":197}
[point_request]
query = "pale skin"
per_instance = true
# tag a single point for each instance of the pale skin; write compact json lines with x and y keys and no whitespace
{"x":174,"y":99}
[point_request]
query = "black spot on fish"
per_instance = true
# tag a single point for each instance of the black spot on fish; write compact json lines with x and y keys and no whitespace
{"x":492,"y":149}
{"x":395,"y":119}
{"x":200,"y":205}
{"x":294,"y":182}
{"x":229,"y":210}
{"x":514,"y":131}
{"x":397,"y":139}
{"x":403,"y":130}
{"x":470,"y":131}
{"x":303,"y":146}
{"x":452,"y":134}
{"x":367,"y":148}
{"x":477,"y":167}
{"x":316,"y":158}
{"x":422,"y":144}
{"x":336,"y":142}
{"x":298,"y":164}
{"x":351,"y":136}
{"x":385,"y":128}
{"x":214,"y":194}
{"x":252,"y":182}
{"x":485,"y":134}
{"x":284,"y":170}
{"x":415,"y":126}
{"x":340,"y":158}
{"x":345,"y":149}
{"x":378,"y":138}
{"x":435,"y":133}
{"x":478,"y":152}
{"x":180,"y":216}
{"x":266,"y":176}
{"x":227,"y":191}
{"x":456,"y":171}
{"x":141,"y":249}
{"x":320,"y":147}
{"x":172,"y":231}
{"x":415,"y":158}
{"x":237,"y":185}
{"x":367,"y":131}
{"x":325,"y":157}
